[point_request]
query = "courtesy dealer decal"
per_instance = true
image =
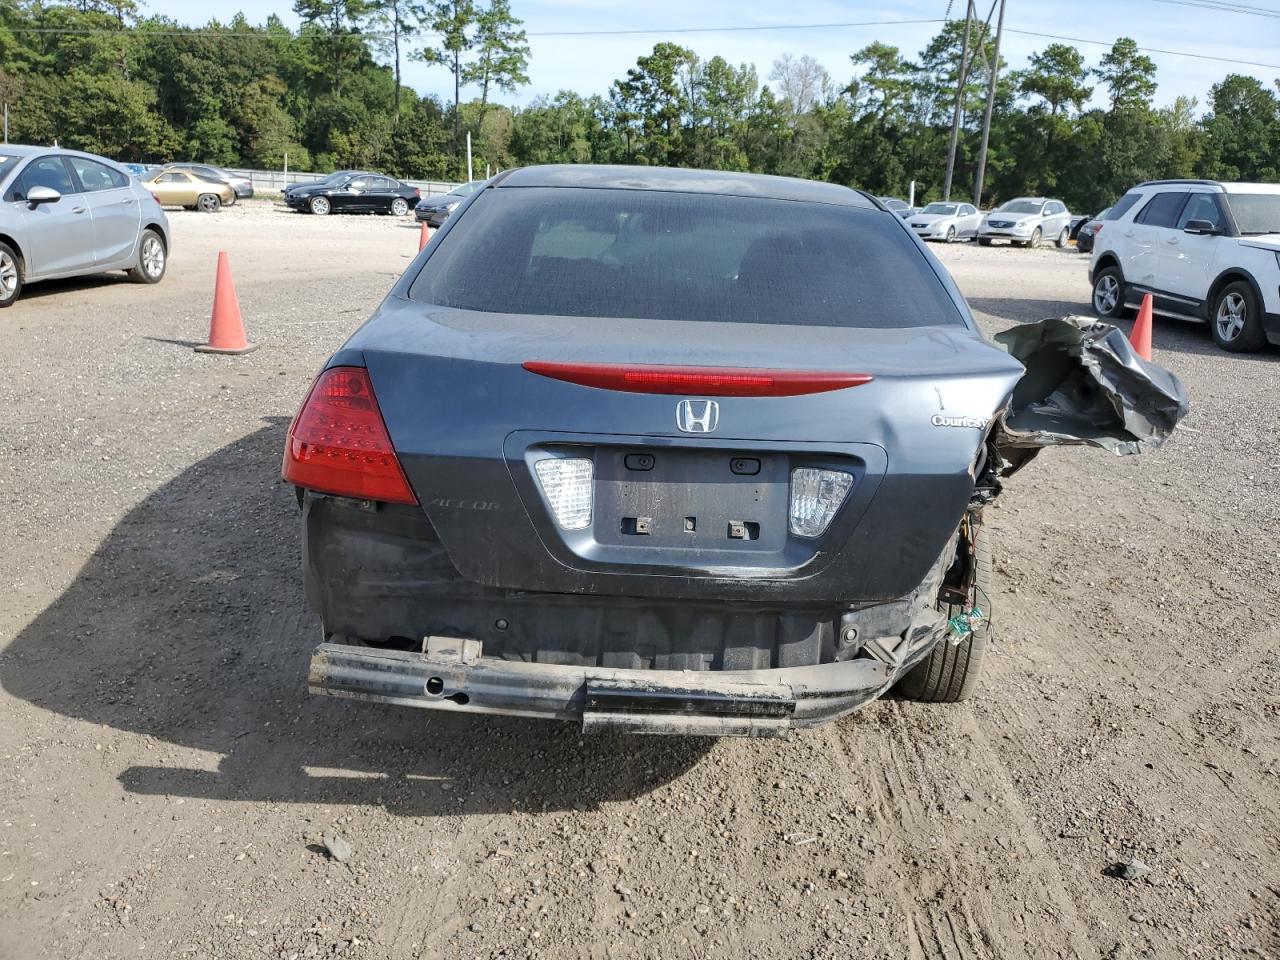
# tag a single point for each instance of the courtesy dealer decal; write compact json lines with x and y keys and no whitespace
{"x":978,"y":423}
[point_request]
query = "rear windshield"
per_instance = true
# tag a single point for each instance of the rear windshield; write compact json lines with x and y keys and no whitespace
{"x":1021,"y":206}
{"x":644,"y":254}
{"x":1255,"y":213}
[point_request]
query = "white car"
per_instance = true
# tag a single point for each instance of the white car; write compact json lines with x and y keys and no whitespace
{"x":946,"y":221}
{"x":1027,"y":222}
{"x":66,"y":214}
{"x":1203,"y":249}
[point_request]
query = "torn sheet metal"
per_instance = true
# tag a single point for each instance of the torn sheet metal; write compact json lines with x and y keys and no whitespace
{"x":1084,"y":385}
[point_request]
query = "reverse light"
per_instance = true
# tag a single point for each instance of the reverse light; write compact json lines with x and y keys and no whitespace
{"x":567,"y":484}
{"x":338,"y":442}
{"x":816,"y":495}
{"x":698,"y":381}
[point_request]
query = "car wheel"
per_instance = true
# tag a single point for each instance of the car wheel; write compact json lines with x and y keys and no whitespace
{"x":152,"y":259}
{"x":1236,"y":323}
{"x":1108,"y":293}
{"x":208,"y":203}
{"x":984,"y":241}
{"x":10,"y":275}
{"x":319,"y":206}
{"x":1035,"y":238}
{"x":399,"y":207}
{"x":1064,"y":237}
{"x":951,"y":670}
{"x":951,"y":234}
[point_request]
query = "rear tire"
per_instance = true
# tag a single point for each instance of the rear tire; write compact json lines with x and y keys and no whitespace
{"x":399,"y":206}
{"x":10,"y":276}
{"x":208,"y":203}
{"x":950,"y":671}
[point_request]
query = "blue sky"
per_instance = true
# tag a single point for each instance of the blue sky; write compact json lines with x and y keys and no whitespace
{"x":590,"y":64}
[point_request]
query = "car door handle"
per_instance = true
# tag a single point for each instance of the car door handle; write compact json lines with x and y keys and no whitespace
{"x":78,"y":209}
{"x":1173,"y":240}
{"x":1129,"y":234}
{"x":127,"y":200}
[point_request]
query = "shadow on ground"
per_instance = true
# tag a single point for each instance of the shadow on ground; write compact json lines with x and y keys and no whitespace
{"x":187,"y":625}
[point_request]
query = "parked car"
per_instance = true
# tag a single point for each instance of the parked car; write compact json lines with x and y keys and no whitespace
{"x":1026,"y":222}
{"x":182,"y":188}
{"x":1203,"y":249}
{"x":618,"y":444}
{"x":435,"y":210}
{"x":242,"y":186}
{"x":361,"y":192}
{"x":68,"y":214}
{"x":898,"y":206}
{"x":946,"y":221}
{"x":330,"y":179}
{"x":1089,"y":230}
{"x":1077,"y":222}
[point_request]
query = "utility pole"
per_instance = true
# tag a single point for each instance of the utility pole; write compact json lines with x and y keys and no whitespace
{"x":986,"y":120}
{"x":955,"y":113}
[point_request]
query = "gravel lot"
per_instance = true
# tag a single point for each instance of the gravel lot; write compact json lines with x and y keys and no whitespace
{"x":168,"y":783}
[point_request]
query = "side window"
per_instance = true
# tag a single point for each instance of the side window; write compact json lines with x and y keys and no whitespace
{"x":171,"y":178}
{"x":1162,"y":210}
{"x":95,"y":176}
{"x":967,"y":211}
{"x":1056,"y":207}
{"x":360,"y":183}
{"x":1123,"y":205}
{"x":44,"y":172}
{"x":389,"y":185}
{"x":1201,"y":206}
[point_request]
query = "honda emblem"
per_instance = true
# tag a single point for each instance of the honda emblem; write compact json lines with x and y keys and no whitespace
{"x":697,"y":416}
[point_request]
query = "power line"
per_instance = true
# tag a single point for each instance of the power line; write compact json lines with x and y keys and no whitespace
{"x":265,"y":35}
{"x":268,"y":35}
{"x":1225,"y":8}
{"x":1172,"y":53}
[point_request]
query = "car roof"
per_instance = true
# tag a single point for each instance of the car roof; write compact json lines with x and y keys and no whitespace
{"x":676,"y":180}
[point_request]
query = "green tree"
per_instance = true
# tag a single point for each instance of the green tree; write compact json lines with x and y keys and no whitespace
{"x":453,"y":22}
{"x":502,"y":52}
{"x":1242,"y":131}
{"x":1129,"y":76}
{"x":393,"y":22}
{"x":653,"y":105}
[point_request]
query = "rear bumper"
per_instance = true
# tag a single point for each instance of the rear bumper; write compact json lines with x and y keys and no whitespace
{"x":750,"y":703}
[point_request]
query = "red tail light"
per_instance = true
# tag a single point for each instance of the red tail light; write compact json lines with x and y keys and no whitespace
{"x":338,"y":442}
{"x":701,"y":381}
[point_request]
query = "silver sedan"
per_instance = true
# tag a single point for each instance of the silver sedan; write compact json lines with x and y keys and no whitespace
{"x":946,"y":221}
{"x":68,"y":214}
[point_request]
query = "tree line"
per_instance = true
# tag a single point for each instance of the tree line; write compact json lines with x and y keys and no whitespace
{"x":97,"y":75}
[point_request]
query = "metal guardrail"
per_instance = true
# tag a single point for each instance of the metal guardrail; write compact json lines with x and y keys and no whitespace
{"x":276,"y":180}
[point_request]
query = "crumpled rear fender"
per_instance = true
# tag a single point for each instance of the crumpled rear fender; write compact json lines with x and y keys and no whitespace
{"x":1084,"y":384}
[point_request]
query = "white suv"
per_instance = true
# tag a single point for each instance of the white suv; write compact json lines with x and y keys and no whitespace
{"x":1203,"y":249}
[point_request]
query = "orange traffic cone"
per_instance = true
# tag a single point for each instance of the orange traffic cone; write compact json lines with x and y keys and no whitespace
{"x":226,"y":326}
{"x":1140,"y":336}
{"x":425,"y":236}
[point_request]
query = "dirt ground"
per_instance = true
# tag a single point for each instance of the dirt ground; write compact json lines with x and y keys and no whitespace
{"x":167,"y":780}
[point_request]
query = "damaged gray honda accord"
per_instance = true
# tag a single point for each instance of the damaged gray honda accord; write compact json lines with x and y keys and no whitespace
{"x":676,"y":451}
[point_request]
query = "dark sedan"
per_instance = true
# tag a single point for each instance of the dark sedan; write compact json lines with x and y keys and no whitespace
{"x":657,"y":451}
{"x":357,"y":193}
{"x":1089,"y":231}
{"x":436,"y":210}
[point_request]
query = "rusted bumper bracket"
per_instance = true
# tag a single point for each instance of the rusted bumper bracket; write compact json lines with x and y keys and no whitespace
{"x":753,"y":703}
